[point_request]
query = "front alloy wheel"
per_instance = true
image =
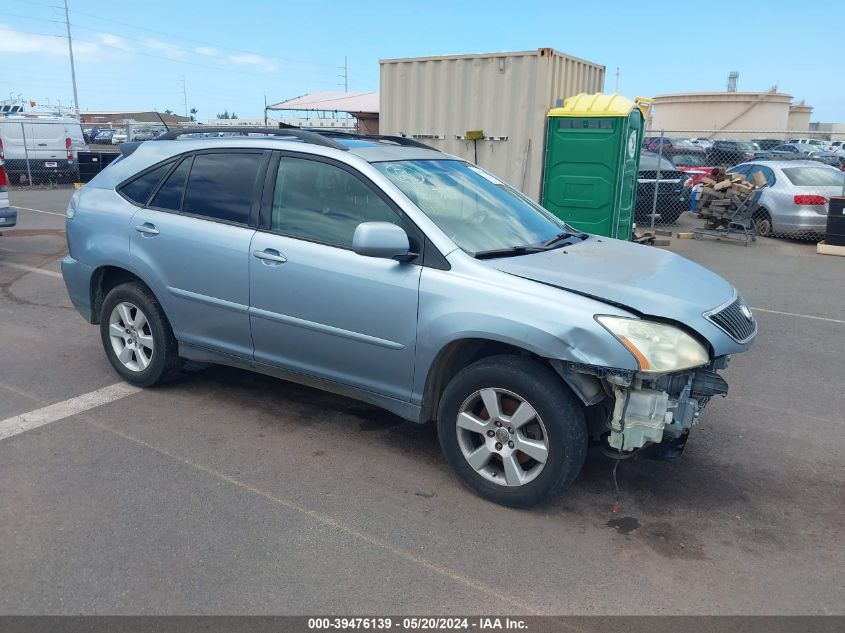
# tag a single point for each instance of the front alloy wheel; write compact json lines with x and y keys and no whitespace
{"x":131,"y":336}
{"x":512,"y":430}
{"x":502,"y":437}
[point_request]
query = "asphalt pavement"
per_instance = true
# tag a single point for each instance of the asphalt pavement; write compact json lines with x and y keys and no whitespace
{"x":227,"y":492}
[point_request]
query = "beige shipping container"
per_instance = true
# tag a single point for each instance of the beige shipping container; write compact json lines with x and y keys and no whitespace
{"x":437,"y":100}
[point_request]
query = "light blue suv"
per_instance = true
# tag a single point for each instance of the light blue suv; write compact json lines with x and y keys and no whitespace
{"x":378,"y":268}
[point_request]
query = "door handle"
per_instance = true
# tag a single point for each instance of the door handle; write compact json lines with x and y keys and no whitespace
{"x":270,"y":255}
{"x":147,"y":229}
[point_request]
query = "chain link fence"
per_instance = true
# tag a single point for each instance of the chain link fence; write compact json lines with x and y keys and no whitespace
{"x":760,"y":182}
{"x":52,"y":152}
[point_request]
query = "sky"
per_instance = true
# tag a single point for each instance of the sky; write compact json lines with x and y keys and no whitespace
{"x":230,"y":55}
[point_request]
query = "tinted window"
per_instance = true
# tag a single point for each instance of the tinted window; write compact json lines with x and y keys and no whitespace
{"x":140,"y":189}
{"x":169,"y":196}
{"x":650,"y":162}
{"x":321,"y":202}
{"x":815,"y":176}
{"x":221,"y":186}
{"x":689,"y":160}
{"x":768,"y":174}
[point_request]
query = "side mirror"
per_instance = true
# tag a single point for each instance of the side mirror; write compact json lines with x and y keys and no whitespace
{"x":382,"y":239}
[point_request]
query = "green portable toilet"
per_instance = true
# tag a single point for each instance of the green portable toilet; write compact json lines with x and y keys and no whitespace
{"x":592,"y":155}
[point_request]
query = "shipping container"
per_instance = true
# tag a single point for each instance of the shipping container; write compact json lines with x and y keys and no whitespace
{"x":506,"y":96}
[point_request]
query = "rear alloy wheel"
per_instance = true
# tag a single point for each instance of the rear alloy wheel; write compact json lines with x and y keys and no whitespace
{"x":512,"y":431}
{"x":131,"y":336}
{"x":763,"y":224}
{"x":137,"y":337}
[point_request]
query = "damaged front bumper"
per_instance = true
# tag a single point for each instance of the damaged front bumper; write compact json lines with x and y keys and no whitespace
{"x":646,"y":410}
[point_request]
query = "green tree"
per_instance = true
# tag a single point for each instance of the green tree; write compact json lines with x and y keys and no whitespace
{"x":225,"y":115}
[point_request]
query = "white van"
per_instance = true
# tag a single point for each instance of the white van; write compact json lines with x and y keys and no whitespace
{"x":50,"y":143}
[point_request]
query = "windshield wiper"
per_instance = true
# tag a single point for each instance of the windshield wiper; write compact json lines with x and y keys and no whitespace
{"x":565,"y":235}
{"x":508,"y":252}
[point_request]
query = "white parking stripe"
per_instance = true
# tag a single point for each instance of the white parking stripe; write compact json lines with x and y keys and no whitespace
{"x":54,"y":412}
{"x":32,"y":269}
{"x":802,"y":316}
{"x":38,"y":210}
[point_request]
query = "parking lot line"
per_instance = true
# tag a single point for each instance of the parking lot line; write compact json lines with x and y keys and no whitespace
{"x":31,"y":269}
{"x":39,"y":211}
{"x":803,"y":316}
{"x":54,"y":412}
{"x":330,"y":521}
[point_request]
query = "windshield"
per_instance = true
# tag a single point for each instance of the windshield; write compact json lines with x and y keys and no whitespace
{"x":689,"y":160}
{"x":745,"y":146}
{"x":814,"y":176}
{"x":476,"y":210}
{"x":682,"y":143}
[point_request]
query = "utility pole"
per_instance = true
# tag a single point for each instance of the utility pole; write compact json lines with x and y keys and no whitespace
{"x":345,"y":75}
{"x":185,"y":96}
{"x":616,"y":87}
{"x":72,"y":68}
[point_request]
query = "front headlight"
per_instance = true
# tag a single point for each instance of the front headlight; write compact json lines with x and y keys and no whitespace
{"x":658,"y":348}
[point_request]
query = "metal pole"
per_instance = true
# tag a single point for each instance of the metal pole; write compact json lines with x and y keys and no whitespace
{"x":26,"y":155}
{"x":657,"y":180}
{"x":72,"y":67}
{"x":185,"y":96}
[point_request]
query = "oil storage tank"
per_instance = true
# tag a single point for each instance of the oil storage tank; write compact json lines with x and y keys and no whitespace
{"x":488,"y":108}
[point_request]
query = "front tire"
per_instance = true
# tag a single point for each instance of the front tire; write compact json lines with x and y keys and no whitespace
{"x":137,"y":337}
{"x":763,"y":223}
{"x":512,"y":431}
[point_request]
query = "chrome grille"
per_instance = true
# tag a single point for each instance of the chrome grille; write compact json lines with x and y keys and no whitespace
{"x":732,"y":320}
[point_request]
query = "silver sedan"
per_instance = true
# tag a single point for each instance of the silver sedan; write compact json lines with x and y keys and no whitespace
{"x":796,"y":200}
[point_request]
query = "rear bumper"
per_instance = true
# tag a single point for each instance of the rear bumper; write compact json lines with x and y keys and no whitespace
{"x":77,"y":278}
{"x":8,"y":217}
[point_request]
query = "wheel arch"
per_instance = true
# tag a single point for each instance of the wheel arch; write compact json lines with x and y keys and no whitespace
{"x":109,"y":276}
{"x":460,"y":353}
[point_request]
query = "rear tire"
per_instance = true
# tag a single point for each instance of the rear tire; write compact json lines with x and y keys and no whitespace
{"x":495,"y":408}
{"x":137,"y":337}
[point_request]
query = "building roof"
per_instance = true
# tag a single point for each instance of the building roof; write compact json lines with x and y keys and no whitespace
{"x":352,"y":102}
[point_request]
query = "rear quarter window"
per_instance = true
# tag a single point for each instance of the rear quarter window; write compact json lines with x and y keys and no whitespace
{"x":139,"y":189}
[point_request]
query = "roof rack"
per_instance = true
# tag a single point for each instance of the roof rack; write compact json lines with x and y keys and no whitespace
{"x":304,"y":135}
{"x":399,"y":140}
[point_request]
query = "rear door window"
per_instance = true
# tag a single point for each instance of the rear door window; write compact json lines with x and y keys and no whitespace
{"x":169,"y":196}
{"x":222,"y":186}
{"x":141,"y":188}
{"x":814,"y":176}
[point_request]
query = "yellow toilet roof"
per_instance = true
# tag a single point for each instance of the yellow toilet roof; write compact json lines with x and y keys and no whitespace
{"x":600,"y":104}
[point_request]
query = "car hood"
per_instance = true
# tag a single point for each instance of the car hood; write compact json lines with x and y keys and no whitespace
{"x":648,"y":280}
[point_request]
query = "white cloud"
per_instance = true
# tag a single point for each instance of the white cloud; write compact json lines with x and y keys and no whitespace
{"x":251,"y":59}
{"x":207,"y":51}
{"x":115,"y":41}
{"x":18,"y":42}
{"x":171,"y":51}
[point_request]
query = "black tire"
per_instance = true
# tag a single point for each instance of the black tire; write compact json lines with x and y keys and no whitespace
{"x":164,"y":361}
{"x":562,"y":416}
{"x":763,"y":223}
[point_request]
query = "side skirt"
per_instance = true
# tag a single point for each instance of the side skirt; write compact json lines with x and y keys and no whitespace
{"x":406,"y":410}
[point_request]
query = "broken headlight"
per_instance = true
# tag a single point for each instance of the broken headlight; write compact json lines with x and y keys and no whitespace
{"x":658,"y":348}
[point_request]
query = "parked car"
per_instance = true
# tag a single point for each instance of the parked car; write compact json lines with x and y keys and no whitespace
{"x":727,"y":153}
{"x":672,"y":198}
{"x":8,"y":214}
{"x":40,"y":148}
{"x":144,"y":135}
{"x":805,"y":149}
{"x":766,"y":144}
{"x":89,"y":133}
{"x":404,"y":277}
{"x":103,"y":137}
{"x":796,"y":198}
{"x":703,"y":143}
{"x":118,"y":137}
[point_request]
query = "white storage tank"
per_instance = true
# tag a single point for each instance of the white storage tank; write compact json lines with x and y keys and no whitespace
{"x":437,"y":100}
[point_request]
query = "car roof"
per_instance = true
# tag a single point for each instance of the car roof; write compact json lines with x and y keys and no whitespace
{"x":786,"y":163}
